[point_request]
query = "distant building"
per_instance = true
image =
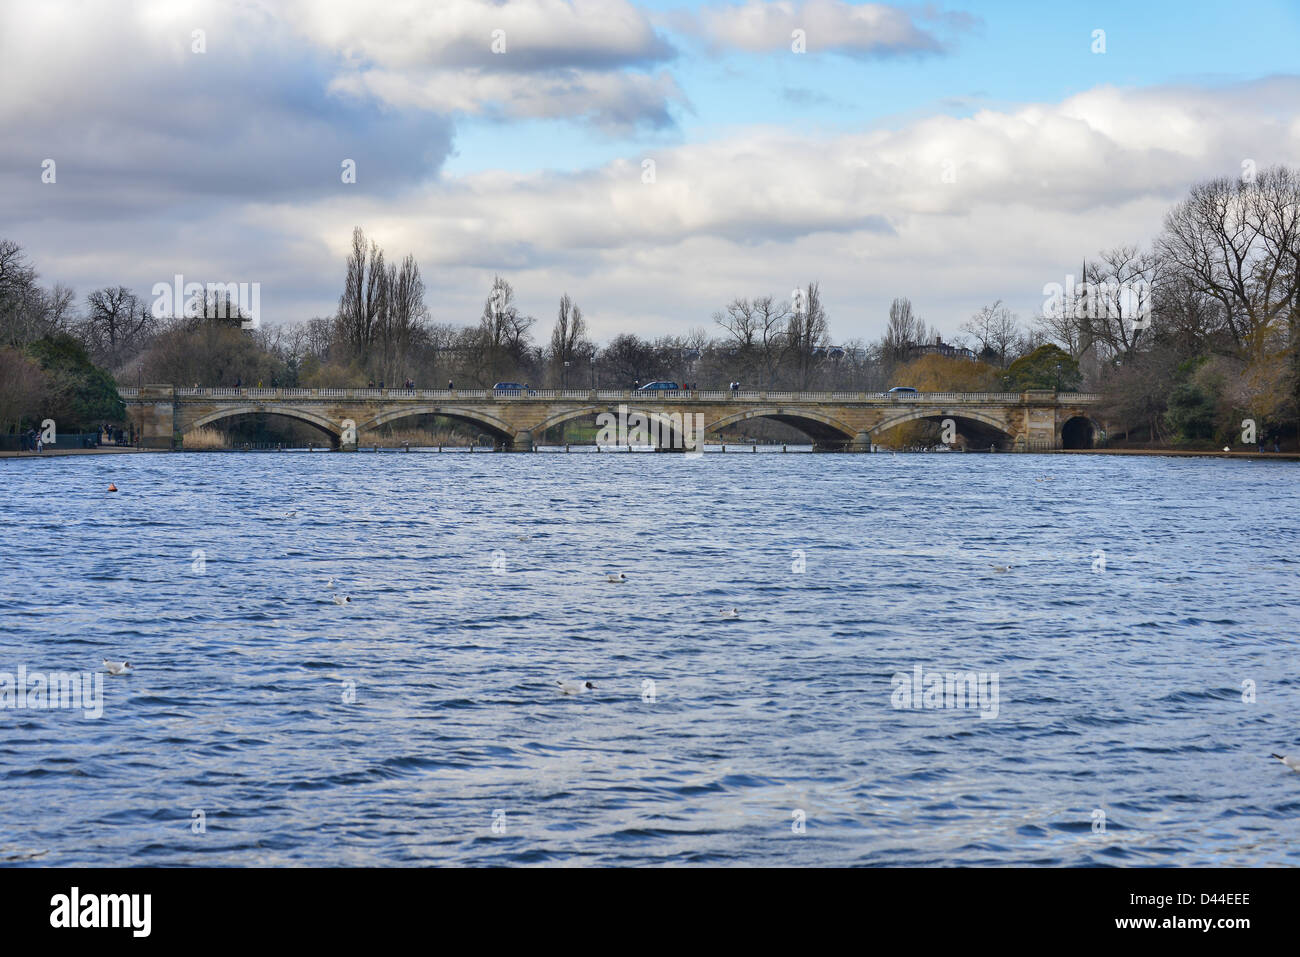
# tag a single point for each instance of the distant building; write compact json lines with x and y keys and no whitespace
{"x":939,"y":348}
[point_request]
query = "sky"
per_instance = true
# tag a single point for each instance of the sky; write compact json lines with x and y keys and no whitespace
{"x":653,"y":160}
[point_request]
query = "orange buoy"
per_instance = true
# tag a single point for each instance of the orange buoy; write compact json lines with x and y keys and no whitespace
{"x":112,"y":487}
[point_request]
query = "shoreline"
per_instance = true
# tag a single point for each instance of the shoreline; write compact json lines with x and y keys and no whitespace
{"x":1168,"y":453}
{"x":56,"y":452}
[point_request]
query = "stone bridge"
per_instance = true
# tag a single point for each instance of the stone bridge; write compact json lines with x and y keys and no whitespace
{"x":853,"y":421}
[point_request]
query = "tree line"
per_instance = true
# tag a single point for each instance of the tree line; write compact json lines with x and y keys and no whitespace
{"x":1186,"y":338}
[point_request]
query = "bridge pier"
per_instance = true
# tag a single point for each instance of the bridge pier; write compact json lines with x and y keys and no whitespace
{"x":522,"y":442}
{"x":861,"y":443}
{"x":157,"y":405}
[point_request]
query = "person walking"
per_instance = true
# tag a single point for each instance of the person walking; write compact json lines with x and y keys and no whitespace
{"x":450,"y":386}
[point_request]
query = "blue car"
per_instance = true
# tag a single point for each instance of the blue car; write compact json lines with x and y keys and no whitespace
{"x":509,"y":387}
{"x":900,"y":388}
{"x":660,"y":386}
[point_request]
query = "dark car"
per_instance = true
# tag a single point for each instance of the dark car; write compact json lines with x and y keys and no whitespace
{"x":660,"y":386}
{"x":900,"y":388}
{"x":509,"y":387}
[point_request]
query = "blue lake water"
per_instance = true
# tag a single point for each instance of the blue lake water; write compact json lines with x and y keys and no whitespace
{"x":478,"y":581}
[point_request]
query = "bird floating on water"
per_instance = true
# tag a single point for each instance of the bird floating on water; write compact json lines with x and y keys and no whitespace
{"x":730,"y":613}
{"x":575,"y":687}
{"x":1291,"y":762}
{"x":293,"y":514}
{"x":616,"y":579}
{"x":342,"y":599}
{"x":1001,"y":568}
{"x":117,"y":667}
{"x":330,"y":582}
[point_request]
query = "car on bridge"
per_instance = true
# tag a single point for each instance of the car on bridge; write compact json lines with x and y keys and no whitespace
{"x":900,"y":390}
{"x":660,"y":386}
{"x":509,"y":388}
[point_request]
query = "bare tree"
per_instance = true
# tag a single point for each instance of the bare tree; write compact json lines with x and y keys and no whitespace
{"x":1239,"y":243}
{"x":502,"y":344}
{"x":116,"y":324}
{"x":1115,"y":305}
{"x":24,"y":388}
{"x":400,"y":319}
{"x":904,"y":330}
{"x":364,"y":293}
{"x":758,"y":332}
{"x":27,"y":311}
{"x":997,"y":331}
{"x":569,"y":341}
{"x":808,"y":334}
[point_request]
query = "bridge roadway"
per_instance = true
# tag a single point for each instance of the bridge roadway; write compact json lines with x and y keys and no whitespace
{"x":852,"y":421}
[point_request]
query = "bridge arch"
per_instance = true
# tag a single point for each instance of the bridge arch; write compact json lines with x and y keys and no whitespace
{"x":663,"y":419}
{"x":815,"y":424}
{"x":973,"y":415}
{"x":498,"y":429}
{"x":1079,"y":432}
{"x":331,"y":429}
{"x":559,"y":418}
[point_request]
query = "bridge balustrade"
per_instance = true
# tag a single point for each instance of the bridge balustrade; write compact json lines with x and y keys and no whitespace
{"x":707,"y":395}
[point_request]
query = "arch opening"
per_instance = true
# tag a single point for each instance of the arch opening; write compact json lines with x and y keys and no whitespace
{"x":974,"y":431}
{"x":825,"y":431}
{"x":264,"y":427}
{"x":664,"y":428}
{"x":501,"y":433}
{"x":1078,"y":432}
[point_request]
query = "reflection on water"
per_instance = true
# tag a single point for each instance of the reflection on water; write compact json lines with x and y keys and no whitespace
{"x":422,"y":723}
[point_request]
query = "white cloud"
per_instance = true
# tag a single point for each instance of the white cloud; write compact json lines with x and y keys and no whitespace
{"x":611,"y":100}
{"x":519,"y":58}
{"x":537,"y":34}
{"x":871,"y":29}
{"x":229,"y":166}
{"x":1037,"y":188}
